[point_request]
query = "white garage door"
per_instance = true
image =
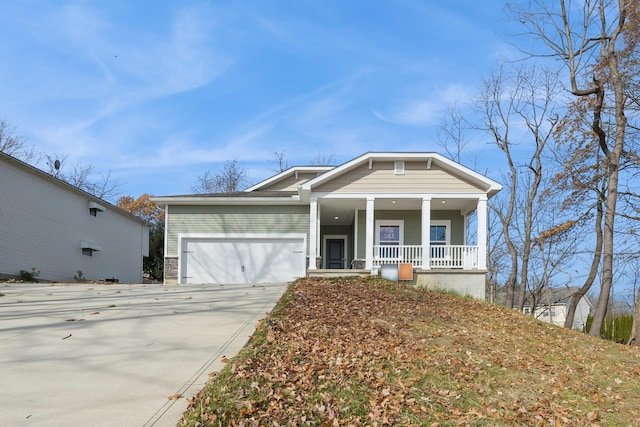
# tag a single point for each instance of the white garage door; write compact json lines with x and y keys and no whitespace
{"x":242,"y":259}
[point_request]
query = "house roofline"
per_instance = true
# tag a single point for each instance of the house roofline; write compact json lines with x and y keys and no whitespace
{"x":491,"y":187}
{"x":65,"y":185}
{"x":210,"y":200}
{"x":282,"y":175}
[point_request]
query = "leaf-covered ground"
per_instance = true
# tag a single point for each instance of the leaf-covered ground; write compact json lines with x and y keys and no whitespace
{"x":372,"y":352}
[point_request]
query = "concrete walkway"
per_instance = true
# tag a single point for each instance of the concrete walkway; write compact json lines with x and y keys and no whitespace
{"x":111,"y":355}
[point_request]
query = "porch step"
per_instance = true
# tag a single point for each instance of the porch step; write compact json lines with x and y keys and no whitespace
{"x":338,"y":273}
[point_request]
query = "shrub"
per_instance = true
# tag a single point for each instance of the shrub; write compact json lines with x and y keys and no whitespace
{"x":614,"y":328}
{"x":29,"y":276}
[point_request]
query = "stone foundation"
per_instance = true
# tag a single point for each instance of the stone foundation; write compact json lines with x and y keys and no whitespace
{"x":170,"y":270}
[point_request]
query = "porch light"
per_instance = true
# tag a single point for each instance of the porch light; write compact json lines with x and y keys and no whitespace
{"x":443,"y":202}
{"x":336,"y":218}
{"x":393,"y":202}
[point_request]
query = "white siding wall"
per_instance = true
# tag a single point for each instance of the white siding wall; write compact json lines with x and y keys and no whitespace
{"x":42,"y":224}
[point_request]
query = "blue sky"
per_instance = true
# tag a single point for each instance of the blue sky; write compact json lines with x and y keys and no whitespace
{"x":158,"y":92}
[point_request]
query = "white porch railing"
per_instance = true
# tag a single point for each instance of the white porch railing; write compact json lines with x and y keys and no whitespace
{"x":442,"y":256}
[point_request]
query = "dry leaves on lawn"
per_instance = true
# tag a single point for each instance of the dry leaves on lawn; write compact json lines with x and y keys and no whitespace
{"x":373,"y":352}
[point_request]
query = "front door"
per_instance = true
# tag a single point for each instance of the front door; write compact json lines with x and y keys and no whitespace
{"x":335,"y":253}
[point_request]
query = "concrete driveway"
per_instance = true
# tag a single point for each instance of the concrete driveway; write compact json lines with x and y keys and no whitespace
{"x":111,"y":355}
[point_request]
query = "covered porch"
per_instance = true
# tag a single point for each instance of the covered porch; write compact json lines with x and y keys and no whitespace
{"x":365,"y":232}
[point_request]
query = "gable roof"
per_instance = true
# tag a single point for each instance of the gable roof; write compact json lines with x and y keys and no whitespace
{"x":490,"y":186}
{"x":268,"y":191}
{"x":65,"y":185}
{"x":556,"y":296}
{"x":286,"y":174}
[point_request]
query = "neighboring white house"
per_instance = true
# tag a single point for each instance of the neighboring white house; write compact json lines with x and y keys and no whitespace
{"x":377,"y":210}
{"x":553,"y":307}
{"x":59,"y":230}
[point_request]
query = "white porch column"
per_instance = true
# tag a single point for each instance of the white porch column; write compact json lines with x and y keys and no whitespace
{"x":482,"y":233}
{"x":369,"y":234}
{"x":313,"y":233}
{"x":425,"y":238}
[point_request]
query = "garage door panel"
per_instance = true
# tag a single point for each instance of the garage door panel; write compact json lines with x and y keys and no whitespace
{"x":240,"y":260}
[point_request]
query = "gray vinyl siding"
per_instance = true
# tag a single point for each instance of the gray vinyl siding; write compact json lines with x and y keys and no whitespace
{"x":42,"y":222}
{"x":382,"y":179}
{"x":412,"y":226}
{"x":235,"y":219}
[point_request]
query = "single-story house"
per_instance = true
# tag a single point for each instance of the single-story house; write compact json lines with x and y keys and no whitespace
{"x":62,"y":233}
{"x":552,"y":306}
{"x":372,"y":212}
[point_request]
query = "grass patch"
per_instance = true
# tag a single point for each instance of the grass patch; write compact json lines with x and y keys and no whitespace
{"x":373,"y":352}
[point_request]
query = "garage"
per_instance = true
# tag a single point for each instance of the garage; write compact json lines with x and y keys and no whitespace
{"x":242,"y":258}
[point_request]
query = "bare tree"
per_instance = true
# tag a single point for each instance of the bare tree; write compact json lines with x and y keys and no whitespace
{"x":451,"y":135}
{"x":518,"y":109}
{"x":231,"y":178}
{"x":80,"y":176}
{"x":281,"y":162}
{"x":582,"y":179}
{"x":13,"y":144}
{"x":323,"y":160}
{"x":589,"y":39}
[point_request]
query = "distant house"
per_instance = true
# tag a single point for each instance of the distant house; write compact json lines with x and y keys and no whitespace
{"x":371,"y":213}
{"x":62,"y":232}
{"x":553,"y":307}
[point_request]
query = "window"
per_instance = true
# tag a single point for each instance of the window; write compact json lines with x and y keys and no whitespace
{"x":89,"y":248}
{"x":389,"y":233}
{"x":398,"y":168}
{"x":440,"y":236}
{"x":94,"y":208}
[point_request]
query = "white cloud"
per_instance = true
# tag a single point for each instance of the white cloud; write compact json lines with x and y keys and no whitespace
{"x":111,"y":71}
{"x":425,"y":110}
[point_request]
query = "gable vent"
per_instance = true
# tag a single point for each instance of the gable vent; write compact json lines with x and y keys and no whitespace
{"x":398,"y":168}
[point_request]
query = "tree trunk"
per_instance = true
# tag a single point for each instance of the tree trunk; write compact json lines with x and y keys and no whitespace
{"x":593,"y":271}
{"x":613,"y":158}
{"x":634,"y":338}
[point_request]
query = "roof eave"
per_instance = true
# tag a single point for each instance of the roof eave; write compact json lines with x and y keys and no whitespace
{"x":282,"y":175}
{"x":161,"y":201}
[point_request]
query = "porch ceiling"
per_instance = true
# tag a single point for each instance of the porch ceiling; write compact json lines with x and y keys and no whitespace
{"x":341,"y":211}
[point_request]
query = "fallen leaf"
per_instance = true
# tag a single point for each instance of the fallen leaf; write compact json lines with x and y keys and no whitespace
{"x":175,"y":396}
{"x":270,"y":336}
